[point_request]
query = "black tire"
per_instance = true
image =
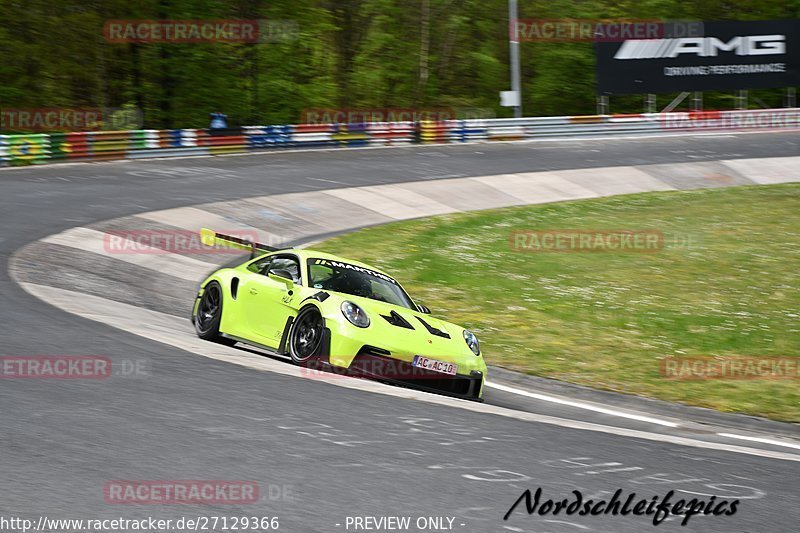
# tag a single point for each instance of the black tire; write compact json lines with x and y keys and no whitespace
{"x":307,"y":336}
{"x":209,"y":315}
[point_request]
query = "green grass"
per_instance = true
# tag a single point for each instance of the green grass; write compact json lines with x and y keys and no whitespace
{"x":607,"y":319}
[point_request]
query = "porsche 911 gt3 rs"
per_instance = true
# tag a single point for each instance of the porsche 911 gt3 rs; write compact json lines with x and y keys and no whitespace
{"x":321,"y":309}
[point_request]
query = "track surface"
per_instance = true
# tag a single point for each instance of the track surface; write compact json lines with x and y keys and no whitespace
{"x":338,"y":452}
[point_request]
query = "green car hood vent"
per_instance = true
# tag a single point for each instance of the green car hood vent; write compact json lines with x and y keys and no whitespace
{"x":434,"y":331}
{"x":396,"y":319}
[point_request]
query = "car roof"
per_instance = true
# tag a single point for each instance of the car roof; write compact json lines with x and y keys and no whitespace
{"x":306,"y":253}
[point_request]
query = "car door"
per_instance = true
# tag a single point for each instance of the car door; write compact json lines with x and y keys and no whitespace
{"x":268,"y":303}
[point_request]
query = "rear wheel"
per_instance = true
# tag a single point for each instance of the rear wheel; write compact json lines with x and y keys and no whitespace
{"x":306,"y":337}
{"x":209,"y":315}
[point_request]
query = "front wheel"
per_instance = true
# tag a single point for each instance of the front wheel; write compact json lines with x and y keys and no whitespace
{"x":307,"y":336}
{"x":209,"y":315}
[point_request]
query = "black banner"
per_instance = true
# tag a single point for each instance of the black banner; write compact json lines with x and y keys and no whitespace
{"x":702,"y":57}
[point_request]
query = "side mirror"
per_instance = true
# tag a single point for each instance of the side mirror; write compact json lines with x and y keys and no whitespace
{"x":422,"y":309}
{"x":282,"y":276}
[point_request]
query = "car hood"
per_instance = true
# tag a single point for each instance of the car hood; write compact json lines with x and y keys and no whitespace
{"x":379,"y":311}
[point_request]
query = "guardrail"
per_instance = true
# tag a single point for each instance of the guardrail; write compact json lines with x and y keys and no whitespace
{"x":16,"y":150}
{"x":5,"y":158}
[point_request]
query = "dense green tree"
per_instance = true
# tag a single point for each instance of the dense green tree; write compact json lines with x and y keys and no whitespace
{"x":340,"y":53}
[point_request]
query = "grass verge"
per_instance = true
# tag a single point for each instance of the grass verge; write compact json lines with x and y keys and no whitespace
{"x":725,"y":283}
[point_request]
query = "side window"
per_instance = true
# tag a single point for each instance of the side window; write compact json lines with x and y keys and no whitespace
{"x":258,"y":266}
{"x":289,"y":264}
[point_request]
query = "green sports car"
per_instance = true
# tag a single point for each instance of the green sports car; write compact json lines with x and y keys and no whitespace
{"x":326,"y":311}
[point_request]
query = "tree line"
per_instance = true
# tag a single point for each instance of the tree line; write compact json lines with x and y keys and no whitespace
{"x":339,"y":54}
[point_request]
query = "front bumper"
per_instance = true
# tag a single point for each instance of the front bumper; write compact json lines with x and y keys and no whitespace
{"x":374,"y":363}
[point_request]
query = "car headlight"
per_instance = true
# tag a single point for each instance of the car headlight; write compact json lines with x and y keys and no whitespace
{"x":354,"y":314}
{"x":472,"y":342}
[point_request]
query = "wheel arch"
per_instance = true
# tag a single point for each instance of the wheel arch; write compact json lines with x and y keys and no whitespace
{"x":309,"y":303}
{"x":223,"y":277}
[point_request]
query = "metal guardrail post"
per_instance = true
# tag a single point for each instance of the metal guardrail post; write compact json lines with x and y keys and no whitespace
{"x":741,"y":99}
{"x":602,"y":105}
{"x":790,"y":100}
{"x":650,"y":103}
{"x":675,"y":102}
{"x":697,"y":101}
{"x":513,"y":43}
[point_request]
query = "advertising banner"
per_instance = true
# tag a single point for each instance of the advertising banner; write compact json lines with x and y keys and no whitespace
{"x":702,"y":57}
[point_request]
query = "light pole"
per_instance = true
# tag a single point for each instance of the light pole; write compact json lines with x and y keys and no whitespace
{"x":513,"y":44}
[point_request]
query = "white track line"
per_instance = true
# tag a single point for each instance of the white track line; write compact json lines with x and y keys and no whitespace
{"x":761,"y":440}
{"x":581,"y":405}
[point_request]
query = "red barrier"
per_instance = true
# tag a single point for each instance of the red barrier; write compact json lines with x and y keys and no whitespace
{"x":222,"y":144}
{"x":80,"y":146}
{"x":313,"y":128}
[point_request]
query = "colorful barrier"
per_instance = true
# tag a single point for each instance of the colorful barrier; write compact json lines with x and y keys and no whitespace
{"x":465,"y":131}
{"x":140,"y":139}
{"x":311,"y":135}
{"x":110,"y":145}
{"x":59,"y":147}
{"x":4,"y":153}
{"x":146,"y":144}
{"x":231,"y":141}
{"x":434,"y":132}
{"x":268,"y":137}
{"x":350,"y":134}
{"x":31,"y":149}
{"x":16,"y":150}
{"x":391,"y":133}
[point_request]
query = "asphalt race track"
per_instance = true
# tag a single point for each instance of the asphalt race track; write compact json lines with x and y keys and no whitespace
{"x":322,"y":452}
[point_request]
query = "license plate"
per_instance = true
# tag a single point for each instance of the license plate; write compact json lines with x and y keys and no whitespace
{"x":435,"y":365}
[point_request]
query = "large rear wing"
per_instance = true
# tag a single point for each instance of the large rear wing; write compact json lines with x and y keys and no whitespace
{"x":212,"y":238}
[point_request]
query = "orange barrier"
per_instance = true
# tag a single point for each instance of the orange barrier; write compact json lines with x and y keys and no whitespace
{"x":110,"y":145}
{"x":588,"y":119}
{"x":222,"y":144}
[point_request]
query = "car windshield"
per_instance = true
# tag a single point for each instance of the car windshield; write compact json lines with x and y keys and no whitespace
{"x":346,"y":278}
